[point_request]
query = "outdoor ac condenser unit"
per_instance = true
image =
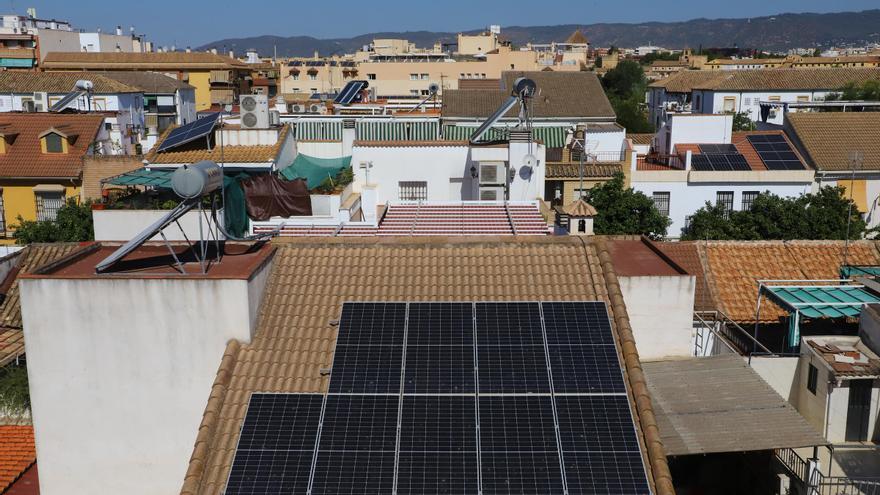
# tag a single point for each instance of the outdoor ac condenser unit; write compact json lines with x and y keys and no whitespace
{"x":254,"y":111}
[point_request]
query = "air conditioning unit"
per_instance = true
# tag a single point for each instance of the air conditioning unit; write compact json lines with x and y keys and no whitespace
{"x":28,"y":106}
{"x":317,"y":108}
{"x":274,"y":118}
{"x":41,"y":102}
{"x":491,"y":173}
{"x":298,"y":108}
{"x":254,"y":111}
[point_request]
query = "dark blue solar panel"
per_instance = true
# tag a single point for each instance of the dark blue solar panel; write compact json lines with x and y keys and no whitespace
{"x":700,"y":162}
{"x":350,"y":92}
{"x":359,"y":422}
{"x":439,"y":369}
{"x":434,"y":423}
{"x":366,"y":369}
{"x":573,"y":323}
{"x":270,"y":472}
{"x":354,"y":473}
{"x":718,"y":148}
{"x":596,"y":423}
{"x":775,"y":152}
{"x":190,"y":132}
{"x":440,"y":324}
{"x":509,"y":324}
{"x":372,"y":324}
{"x":512,"y":369}
{"x":605,"y":473}
{"x":517,"y":423}
{"x":521,"y":472}
{"x":585,"y":369}
{"x":281,"y":421}
{"x":421,"y":473}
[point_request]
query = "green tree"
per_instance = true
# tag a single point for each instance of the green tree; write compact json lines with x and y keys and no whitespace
{"x":73,"y":223}
{"x":822,"y":215}
{"x":742,"y":122}
{"x":869,"y":91}
{"x":623,"y":211}
{"x":14,"y":397}
{"x":625,"y":87}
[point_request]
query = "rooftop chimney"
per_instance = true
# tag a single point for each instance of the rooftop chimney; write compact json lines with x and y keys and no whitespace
{"x":118,"y":30}
{"x":188,"y":50}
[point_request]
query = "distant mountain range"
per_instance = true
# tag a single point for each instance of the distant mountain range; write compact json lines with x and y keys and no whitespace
{"x":779,"y":32}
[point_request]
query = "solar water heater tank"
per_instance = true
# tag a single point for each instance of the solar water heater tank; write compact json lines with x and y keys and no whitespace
{"x":196,"y":180}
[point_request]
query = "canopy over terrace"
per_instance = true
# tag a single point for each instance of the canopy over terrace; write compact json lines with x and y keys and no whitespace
{"x":814,"y":299}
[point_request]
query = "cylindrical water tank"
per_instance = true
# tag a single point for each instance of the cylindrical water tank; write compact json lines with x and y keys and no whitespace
{"x":196,"y":180}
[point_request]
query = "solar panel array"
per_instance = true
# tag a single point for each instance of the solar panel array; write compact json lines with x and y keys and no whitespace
{"x":426,"y":398}
{"x":718,"y":148}
{"x":719,"y":161}
{"x":350,"y":92}
{"x":190,"y":132}
{"x":775,"y":152}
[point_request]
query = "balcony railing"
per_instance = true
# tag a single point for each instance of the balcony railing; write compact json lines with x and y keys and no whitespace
{"x":599,"y":156}
{"x":659,"y":162}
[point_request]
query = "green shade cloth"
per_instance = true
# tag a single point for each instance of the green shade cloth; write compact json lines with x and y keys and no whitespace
{"x":142,"y":177}
{"x":552,"y":137}
{"x":831,"y":301}
{"x":396,"y":130}
{"x":317,"y":130}
{"x":235,"y":219}
{"x":850,"y":271}
{"x":314,"y":170}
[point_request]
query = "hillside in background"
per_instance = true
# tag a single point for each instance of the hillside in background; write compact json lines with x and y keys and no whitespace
{"x":779,"y":32}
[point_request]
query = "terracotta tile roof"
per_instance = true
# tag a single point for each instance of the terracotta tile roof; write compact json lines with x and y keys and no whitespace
{"x":166,"y":61}
{"x":561,"y":94}
{"x":30,"y":258}
{"x":294,"y":339}
{"x":685,"y":81}
{"x":58,"y":82}
{"x":24,"y":158}
{"x":788,"y":79}
{"x":147,"y":82}
{"x":231,"y":154}
{"x":686,"y":255}
{"x":490,"y":84}
{"x":96,"y":168}
{"x":569,"y":170}
{"x":847,"y":356}
{"x":827,"y":138}
{"x":579,"y":208}
{"x":734,"y":267}
{"x":17,"y":452}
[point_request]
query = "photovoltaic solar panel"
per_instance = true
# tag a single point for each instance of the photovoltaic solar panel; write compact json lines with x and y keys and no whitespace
{"x":350,"y":92}
{"x":451,"y":398}
{"x":700,"y":162}
{"x":718,"y":148}
{"x":775,"y":152}
{"x":190,"y":132}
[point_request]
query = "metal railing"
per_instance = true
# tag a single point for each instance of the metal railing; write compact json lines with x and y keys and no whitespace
{"x":730,"y":333}
{"x":659,"y":162}
{"x":839,"y":485}
{"x":793,"y":463}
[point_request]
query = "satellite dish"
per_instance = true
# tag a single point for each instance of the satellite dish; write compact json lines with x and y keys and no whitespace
{"x":525,"y":172}
{"x":529,"y":161}
{"x":524,"y":87}
{"x":433,"y":87}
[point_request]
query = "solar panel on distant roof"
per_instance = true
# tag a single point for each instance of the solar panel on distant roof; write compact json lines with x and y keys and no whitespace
{"x":350,"y":92}
{"x":717,"y":148}
{"x":190,"y":132}
{"x":775,"y":152}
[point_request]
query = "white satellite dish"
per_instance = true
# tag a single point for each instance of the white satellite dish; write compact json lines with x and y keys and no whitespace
{"x":530,"y":160}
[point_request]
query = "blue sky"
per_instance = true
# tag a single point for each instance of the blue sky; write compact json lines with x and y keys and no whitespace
{"x":195,"y":22}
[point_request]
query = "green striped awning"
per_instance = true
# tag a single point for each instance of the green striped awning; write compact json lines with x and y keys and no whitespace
{"x":831,"y":301}
{"x":552,"y":137}
{"x":318,"y":130}
{"x":849,"y":271}
{"x":142,"y":177}
{"x":396,"y":130}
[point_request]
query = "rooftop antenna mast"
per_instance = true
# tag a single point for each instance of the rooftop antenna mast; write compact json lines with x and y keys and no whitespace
{"x":855,"y":162}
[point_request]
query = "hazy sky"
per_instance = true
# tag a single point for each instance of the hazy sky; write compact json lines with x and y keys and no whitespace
{"x":195,"y":22}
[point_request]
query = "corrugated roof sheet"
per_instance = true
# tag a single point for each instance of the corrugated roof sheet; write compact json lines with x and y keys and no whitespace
{"x":828,"y":138}
{"x":560,"y":94}
{"x":720,"y":404}
{"x":309,"y":283}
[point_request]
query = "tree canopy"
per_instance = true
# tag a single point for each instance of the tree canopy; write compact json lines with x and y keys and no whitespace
{"x":868,"y":91}
{"x":73,"y":223}
{"x":625,"y":86}
{"x":623,"y":211}
{"x":822,"y":215}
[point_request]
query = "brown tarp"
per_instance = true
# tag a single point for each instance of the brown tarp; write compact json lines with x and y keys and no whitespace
{"x":268,"y":196}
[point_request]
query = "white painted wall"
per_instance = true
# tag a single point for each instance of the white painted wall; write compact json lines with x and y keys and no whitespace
{"x":781,"y":373}
{"x":321,"y":149}
{"x":686,"y":197}
{"x":118,"y":395}
{"x":122,"y":225}
{"x":690,"y":129}
{"x":185,"y":100}
{"x":813,"y":407}
{"x":669,"y":296}
{"x":748,"y":101}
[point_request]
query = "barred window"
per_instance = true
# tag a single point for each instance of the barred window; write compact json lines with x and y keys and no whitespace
{"x":812,"y":378}
{"x":48,"y":204}
{"x":725,"y":199}
{"x":412,"y":190}
{"x":661,"y":202}
{"x":748,"y":199}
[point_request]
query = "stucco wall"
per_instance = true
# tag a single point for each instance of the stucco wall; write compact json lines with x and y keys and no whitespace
{"x":118,"y":392}
{"x":122,"y":225}
{"x":781,"y":373}
{"x":670,"y":296}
